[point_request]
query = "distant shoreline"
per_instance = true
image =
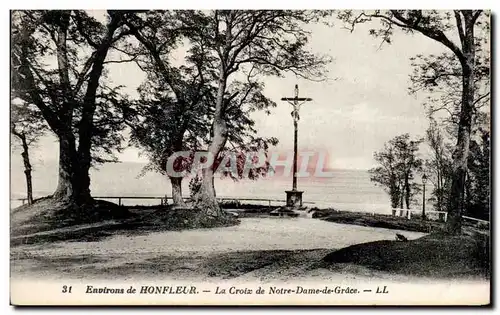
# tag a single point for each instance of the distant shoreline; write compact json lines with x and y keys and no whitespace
{"x":350,"y":207}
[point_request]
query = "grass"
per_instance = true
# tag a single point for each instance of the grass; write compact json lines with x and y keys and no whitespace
{"x":235,"y":204}
{"x":48,"y":220}
{"x":47,"y":214}
{"x":227,"y":265}
{"x":378,"y":220}
{"x":436,"y":255}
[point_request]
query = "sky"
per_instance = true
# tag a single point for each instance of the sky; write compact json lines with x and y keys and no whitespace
{"x":364,"y":102}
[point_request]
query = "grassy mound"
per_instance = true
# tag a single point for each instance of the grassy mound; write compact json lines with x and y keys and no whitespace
{"x":49,"y":221}
{"x":378,"y":220}
{"x":176,"y":218}
{"x":48,"y":214}
{"x":436,"y":255}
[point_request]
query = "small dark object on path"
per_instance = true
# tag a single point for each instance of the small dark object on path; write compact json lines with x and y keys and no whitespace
{"x":401,"y":237}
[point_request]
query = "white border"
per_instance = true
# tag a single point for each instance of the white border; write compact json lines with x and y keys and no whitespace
{"x":256,"y":4}
{"x":186,"y":4}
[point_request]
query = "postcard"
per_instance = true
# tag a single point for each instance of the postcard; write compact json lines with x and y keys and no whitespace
{"x":250,"y":157}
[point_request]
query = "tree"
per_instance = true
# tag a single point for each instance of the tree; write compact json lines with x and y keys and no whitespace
{"x":173,"y":111}
{"x":398,"y":163}
{"x":477,"y":186}
{"x":472,"y":29}
{"x":27,"y":126}
{"x":406,"y":150}
{"x":386,"y":175}
{"x":248,"y":44}
{"x":438,"y":167}
{"x":176,"y":105}
{"x":477,"y":197}
{"x":57,"y":60}
{"x":163,"y":128}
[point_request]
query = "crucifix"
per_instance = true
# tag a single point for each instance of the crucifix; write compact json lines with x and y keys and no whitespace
{"x":294,"y":197}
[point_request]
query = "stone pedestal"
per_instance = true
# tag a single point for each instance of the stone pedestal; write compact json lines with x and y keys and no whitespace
{"x":294,"y":198}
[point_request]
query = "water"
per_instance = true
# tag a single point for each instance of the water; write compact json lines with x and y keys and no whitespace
{"x":346,"y":190}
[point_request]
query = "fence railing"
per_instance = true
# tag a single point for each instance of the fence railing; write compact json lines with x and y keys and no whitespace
{"x":477,"y":221}
{"x":164,"y":200}
{"x":259,"y":199}
{"x":442,"y":215}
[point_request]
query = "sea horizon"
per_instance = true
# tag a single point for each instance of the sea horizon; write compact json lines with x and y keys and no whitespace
{"x":347,"y":189}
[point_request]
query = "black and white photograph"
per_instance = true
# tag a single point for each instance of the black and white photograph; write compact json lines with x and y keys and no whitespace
{"x":250,"y":157}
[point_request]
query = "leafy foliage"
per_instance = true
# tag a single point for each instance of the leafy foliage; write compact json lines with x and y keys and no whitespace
{"x":58,"y":59}
{"x":439,"y":166}
{"x":398,"y":164}
{"x":58,"y":48}
{"x":457,"y":79}
{"x":246,"y":46}
{"x":26,"y":120}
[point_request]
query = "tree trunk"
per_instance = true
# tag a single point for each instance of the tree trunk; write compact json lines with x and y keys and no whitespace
{"x":86,"y":125}
{"x":206,"y":200}
{"x":206,"y":196}
{"x":176,"y":183}
{"x":407,"y":192}
{"x":394,"y":193}
{"x":439,"y":189}
{"x":64,"y":190}
{"x":213,"y":185}
{"x":460,"y":155}
{"x":459,"y":169}
{"x":401,"y":197}
{"x":74,"y":164}
{"x":27,"y":168}
{"x":69,"y":187}
{"x":394,"y":200}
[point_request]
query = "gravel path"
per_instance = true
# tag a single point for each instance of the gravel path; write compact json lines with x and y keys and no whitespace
{"x":251,"y":234}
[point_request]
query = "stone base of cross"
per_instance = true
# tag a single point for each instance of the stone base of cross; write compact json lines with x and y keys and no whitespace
{"x":294,"y":198}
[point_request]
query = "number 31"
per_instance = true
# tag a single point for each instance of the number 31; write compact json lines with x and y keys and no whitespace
{"x":66,"y":289}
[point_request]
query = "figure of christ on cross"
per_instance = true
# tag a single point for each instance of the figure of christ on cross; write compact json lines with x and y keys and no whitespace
{"x":294,"y":197}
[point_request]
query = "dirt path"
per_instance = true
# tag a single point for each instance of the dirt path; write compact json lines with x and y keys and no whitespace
{"x":263,"y":248}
